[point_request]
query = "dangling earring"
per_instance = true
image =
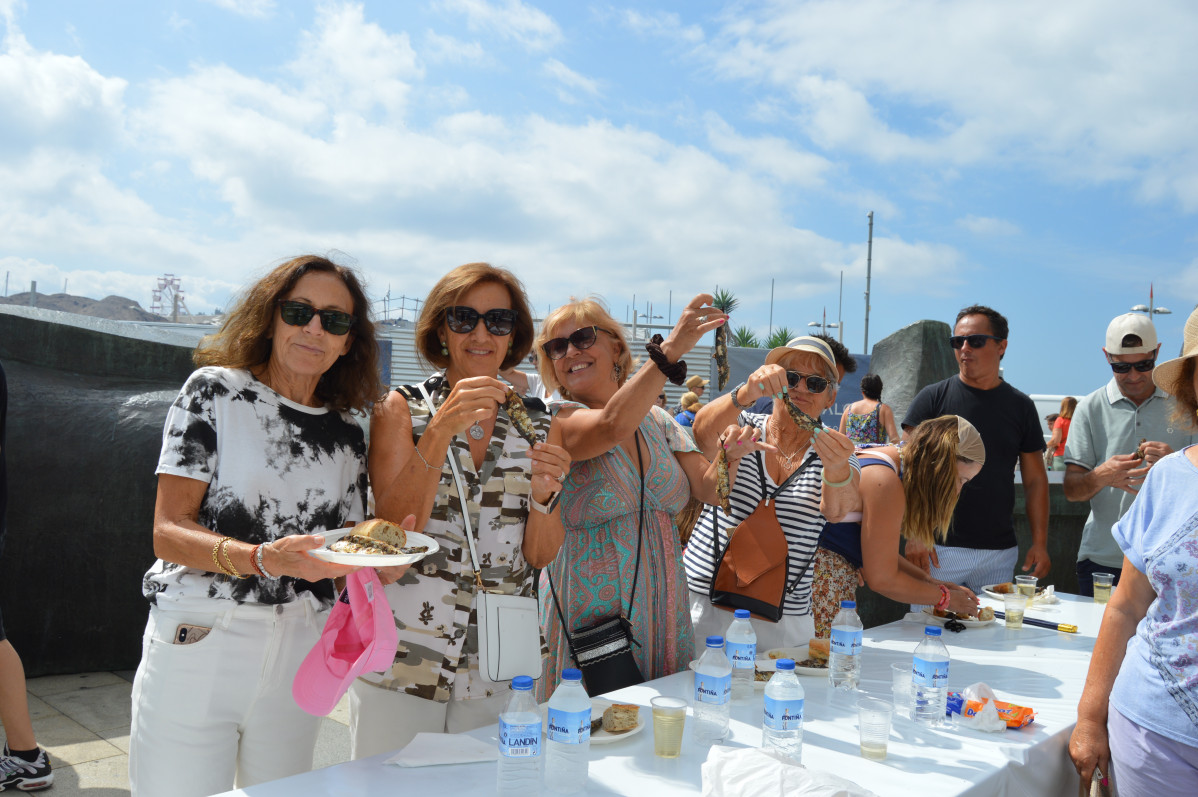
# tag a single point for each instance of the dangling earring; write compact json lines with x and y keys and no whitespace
{"x":617,"y":373}
{"x":444,"y":351}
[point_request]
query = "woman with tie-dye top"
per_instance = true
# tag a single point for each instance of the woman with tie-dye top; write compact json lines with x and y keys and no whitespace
{"x":260,"y":455}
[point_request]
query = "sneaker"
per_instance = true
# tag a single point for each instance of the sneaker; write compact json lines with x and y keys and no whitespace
{"x":17,"y":773}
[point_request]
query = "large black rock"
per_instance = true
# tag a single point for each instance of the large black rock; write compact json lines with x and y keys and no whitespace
{"x":916,"y":356}
{"x":87,"y":401}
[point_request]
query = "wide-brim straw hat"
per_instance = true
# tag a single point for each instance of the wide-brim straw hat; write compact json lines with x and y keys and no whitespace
{"x":1166,"y":374}
{"x":803,"y":343}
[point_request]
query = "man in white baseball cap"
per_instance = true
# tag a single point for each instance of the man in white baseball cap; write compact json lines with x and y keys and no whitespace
{"x":1105,"y":460}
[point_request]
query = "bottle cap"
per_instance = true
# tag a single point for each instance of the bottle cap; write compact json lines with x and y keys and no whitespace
{"x":785,"y":664}
{"x":931,"y":630}
{"x":741,"y":614}
{"x":571,"y":674}
{"x":848,"y":604}
{"x":522,"y":683}
{"x":715,"y":642}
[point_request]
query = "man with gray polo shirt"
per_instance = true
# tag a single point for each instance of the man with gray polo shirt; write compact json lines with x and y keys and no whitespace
{"x":1105,"y":461}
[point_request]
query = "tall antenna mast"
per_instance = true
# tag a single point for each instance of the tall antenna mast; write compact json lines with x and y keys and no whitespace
{"x":869,"y":259}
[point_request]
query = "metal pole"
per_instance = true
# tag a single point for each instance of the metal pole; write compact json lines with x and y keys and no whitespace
{"x":771,"y":306}
{"x":840,"y":311}
{"x":869,"y":259}
{"x":669,"y":307}
{"x":634,"y":316}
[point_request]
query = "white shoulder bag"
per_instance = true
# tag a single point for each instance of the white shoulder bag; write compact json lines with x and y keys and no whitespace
{"x":509,"y":626}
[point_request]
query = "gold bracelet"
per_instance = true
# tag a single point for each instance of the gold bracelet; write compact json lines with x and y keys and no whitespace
{"x":224,"y":549}
{"x":422,"y":459}
{"x":219,"y":567}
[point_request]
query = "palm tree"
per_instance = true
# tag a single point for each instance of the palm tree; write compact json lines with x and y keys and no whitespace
{"x":745,"y":339}
{"x":778,"y":337}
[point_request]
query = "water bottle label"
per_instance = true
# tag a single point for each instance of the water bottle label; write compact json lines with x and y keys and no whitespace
{"x":783,"y":715}
{"x":713,"y":689}
{"x":569,"y":727}
{"x":519,"y":740}
{"x":929,"y":673}
{"x":846,"y":641}
{"x":743,"y":654}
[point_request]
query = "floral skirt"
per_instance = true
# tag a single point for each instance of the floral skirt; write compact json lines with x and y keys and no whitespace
{"x":835,"y":580}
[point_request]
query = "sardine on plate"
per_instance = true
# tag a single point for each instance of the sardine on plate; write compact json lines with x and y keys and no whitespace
{"x":356,"y":543}
{"x":515,"y":409}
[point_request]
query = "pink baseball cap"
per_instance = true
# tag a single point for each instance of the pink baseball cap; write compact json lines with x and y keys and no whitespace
{"x":359,"y":636}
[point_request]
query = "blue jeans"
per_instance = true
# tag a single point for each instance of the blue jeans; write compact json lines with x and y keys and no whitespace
{"x":1085,"y":576}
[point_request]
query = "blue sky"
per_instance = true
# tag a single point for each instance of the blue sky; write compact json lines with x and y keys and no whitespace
{"x":1038,"y":158}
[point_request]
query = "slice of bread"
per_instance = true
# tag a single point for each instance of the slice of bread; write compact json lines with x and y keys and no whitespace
{"x":620,"y":717}
{"x":382,"y":530}
{"x":818,"y":649}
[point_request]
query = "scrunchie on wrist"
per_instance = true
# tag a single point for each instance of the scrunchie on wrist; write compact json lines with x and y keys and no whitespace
{"x":675,"y":372}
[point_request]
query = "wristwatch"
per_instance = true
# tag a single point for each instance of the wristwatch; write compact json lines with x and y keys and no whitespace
{"x":736,"y":403}
{"x":545,"y":508}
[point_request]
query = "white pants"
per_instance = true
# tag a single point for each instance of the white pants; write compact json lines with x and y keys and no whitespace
{"x":974,"y":567}
{"x":218,"y":713}
{"x":381,"y":720}
{"x":791,"y":631}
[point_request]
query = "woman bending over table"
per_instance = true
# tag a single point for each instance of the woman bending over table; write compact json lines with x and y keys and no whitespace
{"x":620,"y":441}
{"x":1137,"y":720}
{"x":475,"y":321}
{"x":911,"y":490}
{"x":260,"y":454}
{"x":825,"y":489}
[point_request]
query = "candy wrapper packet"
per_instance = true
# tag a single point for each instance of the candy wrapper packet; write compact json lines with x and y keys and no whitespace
{"x":973,"y":702}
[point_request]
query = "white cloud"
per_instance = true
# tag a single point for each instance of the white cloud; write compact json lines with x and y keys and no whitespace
{"x":449,"y":50}
{"x":770,"y":156}
{"x":661,"y":24}
{"x":509,"y":19}
{"x":988,"y":226}
{"x":1088,"y":90}
{"x":570,"y":79}
{"x":259,"y":9}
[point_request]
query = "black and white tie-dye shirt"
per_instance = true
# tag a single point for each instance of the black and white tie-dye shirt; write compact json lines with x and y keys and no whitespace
{"x":273,"y":468}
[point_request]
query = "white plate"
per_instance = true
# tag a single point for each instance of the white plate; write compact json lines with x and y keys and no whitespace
{"x":414,"y":540}
{"x":798,"y":654}
{"x":598,"y":706}
{"x":968,"y":622}
{"x":989,"y":590}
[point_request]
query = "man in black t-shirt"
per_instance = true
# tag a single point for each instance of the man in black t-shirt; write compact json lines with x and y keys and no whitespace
{"x":981,"y":547}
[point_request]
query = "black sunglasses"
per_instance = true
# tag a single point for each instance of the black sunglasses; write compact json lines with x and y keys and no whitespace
{"x":974,"y":341}
{"x":1143,"y":366}
{"x":298,"y":314}
{"x":462,"y":319}
{"x":582,"y":338}
{"x":815,"y":384}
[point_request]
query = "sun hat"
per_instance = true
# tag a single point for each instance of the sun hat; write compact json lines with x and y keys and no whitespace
{"x":1130,"y":324}
{"x":695,"y":381}
{"x":969,"y":442}
{"x":359,"y":636}
{"x":1166,"y":374}
{"x":803,"y":343}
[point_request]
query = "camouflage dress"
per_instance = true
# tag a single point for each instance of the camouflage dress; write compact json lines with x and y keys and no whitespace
{"x":433,"y":603}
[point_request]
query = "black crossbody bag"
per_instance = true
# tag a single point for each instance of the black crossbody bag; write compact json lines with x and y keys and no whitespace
{"x":603,"y":650}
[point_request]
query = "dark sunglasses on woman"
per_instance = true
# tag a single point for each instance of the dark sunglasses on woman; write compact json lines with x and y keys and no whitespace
{"x":815,"y":384}
{"x":298,"y":314}
{"x":583,"y":338}
{"x":974,"y":341}
{"x":462,"y":319}
{"x":1143,"y":366}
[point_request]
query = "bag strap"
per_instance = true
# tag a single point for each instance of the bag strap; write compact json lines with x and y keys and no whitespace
{"x":457,"y":479}
{"x":636,"y":437}
{"x":715,"y":517}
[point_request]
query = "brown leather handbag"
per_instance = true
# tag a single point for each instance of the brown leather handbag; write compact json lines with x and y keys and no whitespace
{"x":754,"y":571}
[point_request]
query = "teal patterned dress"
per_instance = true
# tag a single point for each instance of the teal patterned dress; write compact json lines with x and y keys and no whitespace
{"x":593,"y":572}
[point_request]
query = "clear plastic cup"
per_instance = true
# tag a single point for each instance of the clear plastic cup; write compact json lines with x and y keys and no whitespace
{"x":1014,"y":605}
{"x":669,"y":718}
{"x":1026,"y":585}
{"x":900,"y":687}
{"x":1102,"y":587}
{"x":873,"y":717}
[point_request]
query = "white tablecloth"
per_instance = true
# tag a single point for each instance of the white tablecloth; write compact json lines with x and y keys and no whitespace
{"x":1036,"y":667}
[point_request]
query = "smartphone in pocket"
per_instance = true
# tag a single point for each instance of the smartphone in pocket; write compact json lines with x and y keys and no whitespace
{"x":187,"y":634}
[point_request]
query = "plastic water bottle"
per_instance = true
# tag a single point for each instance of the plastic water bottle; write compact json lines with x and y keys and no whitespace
{"x":568,"y":740}
{"x":713,"y":691}
{"x":782,"y":722}
{"x":520,"y":742}
{"x":742,"y":651}
{"x":929,"y":679}
{"x":844,"y":659}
